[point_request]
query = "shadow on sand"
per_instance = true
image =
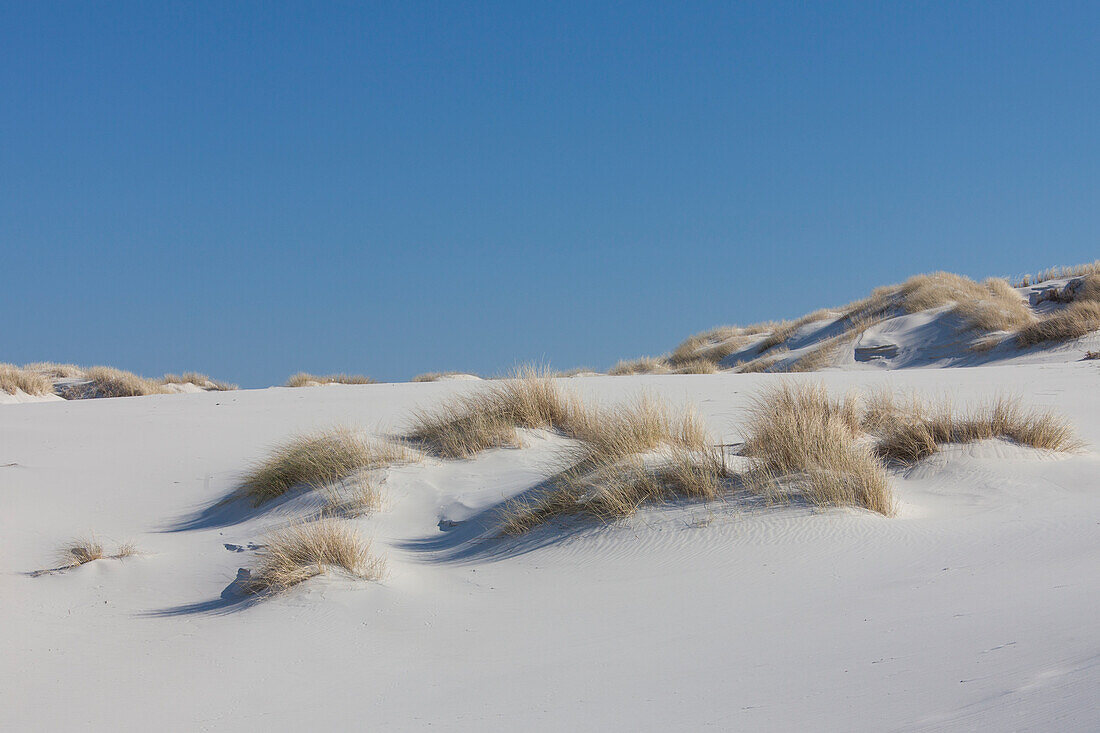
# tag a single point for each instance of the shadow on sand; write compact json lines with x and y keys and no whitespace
{"x":235,"y":597}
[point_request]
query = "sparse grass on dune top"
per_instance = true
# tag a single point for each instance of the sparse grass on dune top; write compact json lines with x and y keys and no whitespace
{"x":304,"y":379}
{"x":317,"y":461}
{"x":303,"y":551}
{"x":436,"y":376}
{"x":1053,"y":273}
{"x":54,"y":370}
{"x":807,"y":443}
{"x":642,"y":365}
{"x":1002,"y":309}
{"x":199,"y":380}
{"x":937,"y":289}
{"x":910,"y":430}
{"x":13,"y":379}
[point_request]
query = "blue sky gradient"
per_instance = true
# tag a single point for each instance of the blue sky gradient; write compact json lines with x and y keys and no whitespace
{"x":252,"y":189}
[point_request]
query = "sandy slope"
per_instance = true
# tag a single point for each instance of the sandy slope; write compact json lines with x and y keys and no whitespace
{"x":973,"y":610}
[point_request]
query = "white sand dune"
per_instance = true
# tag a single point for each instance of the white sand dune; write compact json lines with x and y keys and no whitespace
{"x":973,"y":609}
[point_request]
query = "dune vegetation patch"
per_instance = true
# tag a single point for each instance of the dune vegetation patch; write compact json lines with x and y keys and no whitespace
{"x":199,"y":380}
{"x":1077,"y":319}
{"x":320,"y":461}
{"x":304,"y":379}
{"x":104,"y":381}
{"x":806,"y":443}
{"x":641,"y":365}
{"x":488,"y":417}
{"x":1053,"y":273}
{"x":635,"y":453}
{"x":909,"y":430}
{"x":53,"y":370}
{"x":305,"y":550}
{"x":436,"y":376}
{"x":712,"y":346}
{"x":85,"y":550}
{"x":13,"y":380}
{"x":608,"y":488}
{"x":697,"y":366}
{"x":762,"y":363}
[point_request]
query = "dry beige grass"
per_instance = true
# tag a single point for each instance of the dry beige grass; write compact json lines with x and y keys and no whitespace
{"x":1055,"y":273}
{"x":1000,"y":309}
{"x":436,"y":376}
{"x":13,"y":379}
{"x":488,"y":417}
{"x":609,"y":488}
{"x":103,"y":381}
{"x":820,"y":357}
{"x":303,"y":551}
{"x":199,"y":380}
{"x":713,"y":346}
{"x":910,"y":430}
{"x":318,"y":461}
{"x":937,"y":289}
{"x":608,"y":478}
{"x":1090,"y":288}
{"x":304,"y":379}
{"x":54,"y":370}
{"x":1075,"y":320}
{"x":697,"y":366}
{"x":763,"y":363}
{"x":80,"y":552}
{"x":807,"y":443}
{"x":636,"y":427}
{"x":643,"y":365}
{"x":85,"y":550}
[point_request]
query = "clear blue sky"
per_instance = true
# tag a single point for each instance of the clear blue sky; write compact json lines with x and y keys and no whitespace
{"x":251,"y":189}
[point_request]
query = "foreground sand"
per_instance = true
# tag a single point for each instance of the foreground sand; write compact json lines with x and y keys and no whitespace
{"x":974,"y":609}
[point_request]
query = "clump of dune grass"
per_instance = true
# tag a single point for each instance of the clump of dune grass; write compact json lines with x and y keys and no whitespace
{"x":85,"y":550}
{"x":1092,"y":355}
{"x":488,"y":417}
{"x":763,"y":363}
{"x":104,"y":381}
{"x":436,"y":376}
{"x":608,"y":475}
{"x":608,"y":488}
{"x":807,"y":443}
{"x":910,"y":430}
{"x":1077,"y":319}
{"x":304,"y":379}
{"x":319,"y":460}
{"x":13,"y":379}
{"x":81,"y":551}
{"x":606,"y":438}
{"x":642,"y":365}
{"x":303,"y":551}
{"x":1000,"y":309}
{"x":713,"y":346}
{"x":636,"y":426}
{"x":54,"y":370}
{"x":697,"y":366}
{"x":1056,"y":273}
{"x":199,"y":380}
